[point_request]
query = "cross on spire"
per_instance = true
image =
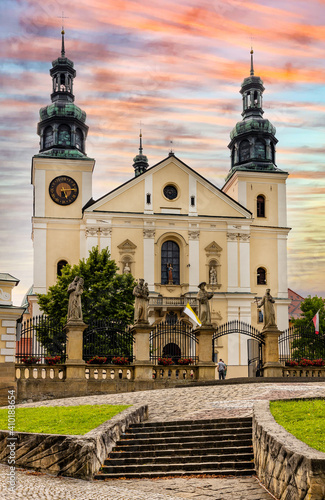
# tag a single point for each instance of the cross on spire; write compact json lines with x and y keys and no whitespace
{"x":62,"y":33}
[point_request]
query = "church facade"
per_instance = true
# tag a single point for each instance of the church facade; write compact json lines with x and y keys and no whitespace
{"x":168,"y":224}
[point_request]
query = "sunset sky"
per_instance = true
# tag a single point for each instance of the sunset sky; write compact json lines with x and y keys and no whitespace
{"x":177,"y":67}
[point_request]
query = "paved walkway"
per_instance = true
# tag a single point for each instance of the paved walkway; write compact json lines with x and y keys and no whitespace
{"x":171,"y":404}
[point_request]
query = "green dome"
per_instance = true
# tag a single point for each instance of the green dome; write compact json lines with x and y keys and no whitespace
{"x":67,"y":110}
{"x":253,"y":124}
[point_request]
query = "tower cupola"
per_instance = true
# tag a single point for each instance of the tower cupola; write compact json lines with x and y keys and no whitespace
{"x":62,"y":128}
{"x":140,"y":161}
{"x":253,"y":139}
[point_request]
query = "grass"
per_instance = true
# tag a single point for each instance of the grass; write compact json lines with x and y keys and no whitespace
{"x":304,"y":419}
{"x":74,"y":420}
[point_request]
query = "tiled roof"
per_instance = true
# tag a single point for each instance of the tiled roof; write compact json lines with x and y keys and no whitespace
{"x":294,"y":310}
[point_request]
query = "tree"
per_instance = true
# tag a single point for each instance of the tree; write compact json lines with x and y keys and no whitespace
{"x":306,"y":344}
{"x":107,"y":294}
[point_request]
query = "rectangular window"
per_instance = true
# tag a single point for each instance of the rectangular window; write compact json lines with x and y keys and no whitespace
{"x":148,"y":199}
{"x":192,"y":201}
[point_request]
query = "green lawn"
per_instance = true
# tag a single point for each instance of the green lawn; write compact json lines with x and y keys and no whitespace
{"x":61,"y":419}
{"x":304,"y":419}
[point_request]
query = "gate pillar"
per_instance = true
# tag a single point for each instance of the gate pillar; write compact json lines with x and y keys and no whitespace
{"x":272,"y":366}
{"x":206,"y":367}
{"x":141,"y":349}
{"x":75,"y":365}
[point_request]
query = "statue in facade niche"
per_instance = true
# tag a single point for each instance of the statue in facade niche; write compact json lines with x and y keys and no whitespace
{"x":213,"y":275}
{"x":141,"y":293}
{"x":127,"y":268}
{"x":203,"y":298}
{"x":75,"y":290}
{"x":269,"y":312}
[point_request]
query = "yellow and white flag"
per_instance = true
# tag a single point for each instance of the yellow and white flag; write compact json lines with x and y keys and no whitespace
{"x":189,"y":311}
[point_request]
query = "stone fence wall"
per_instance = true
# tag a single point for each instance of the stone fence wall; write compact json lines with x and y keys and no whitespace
{"x":289,"y":468}
{"x":75,"y":456}
{"x":37,"y":382}
{"x":302,"y":371}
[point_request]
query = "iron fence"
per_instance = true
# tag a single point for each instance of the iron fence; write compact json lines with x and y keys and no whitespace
{"x":173,"y":340}
{"x":298,"y":343}
{"x":109,"y":339}
{"x":40,"y":337}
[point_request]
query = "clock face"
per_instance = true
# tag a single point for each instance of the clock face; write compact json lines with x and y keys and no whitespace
{"x":63,"y":190}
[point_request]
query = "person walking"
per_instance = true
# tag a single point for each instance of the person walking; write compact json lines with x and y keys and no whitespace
{"x":222,"y":367}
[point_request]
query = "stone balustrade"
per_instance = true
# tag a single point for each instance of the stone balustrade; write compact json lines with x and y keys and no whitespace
{"x":304,"y":371}
{"x":174,"y":372}
{"x":40,"y":372}
{"x":109,"y":372}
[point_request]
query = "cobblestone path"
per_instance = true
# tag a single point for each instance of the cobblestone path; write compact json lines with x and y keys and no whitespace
{"x":165,"y":404}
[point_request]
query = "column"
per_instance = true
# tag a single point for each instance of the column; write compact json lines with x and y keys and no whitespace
{"x":92,"y":238}
{"x":105,"y":239}
{"x":194,"y":260}
{"x":244,"y":261}
{"x":206,"y":367}
{"x":232,"y":254}
{"x":282,"y":266}
{"x":149,"y":257}
{"x":39,"y":244}
{"x":141,"y":349}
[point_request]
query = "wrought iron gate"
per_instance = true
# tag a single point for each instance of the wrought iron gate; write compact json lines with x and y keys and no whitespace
{"x":254,"y":345}
{"x":173,"y":340}
{"x":109,"y":339}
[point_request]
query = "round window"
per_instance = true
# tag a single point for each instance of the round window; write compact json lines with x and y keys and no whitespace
{"x":170,"y":192}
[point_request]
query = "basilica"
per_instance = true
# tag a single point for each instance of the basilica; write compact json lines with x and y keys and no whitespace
{"x":167,"y":224}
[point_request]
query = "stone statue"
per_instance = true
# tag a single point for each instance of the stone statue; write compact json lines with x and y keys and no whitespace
{"x":127,"y":268}
{"x":213,"y":276}
{"x":269,"y":313}
{"x":141,"y":293}
{"x":203,"y":298}
{"x":75,"y":290}
{"x":170,"y":274}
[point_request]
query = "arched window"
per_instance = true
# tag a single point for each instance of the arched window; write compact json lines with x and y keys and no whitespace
{"x":255,"y":98}
{"x":79,"y":139}
{"x":64,"y":135}
{"x":48,"y":137}
{"x":233,"y":157}
{"x":62,"y":82}
{"x":261,"y":276}
{"x":170,"y":263}
{"x":260,"y":150}
{"x":244,"y":151}
{"x":260,"y":206}
{"x":60,"y":266}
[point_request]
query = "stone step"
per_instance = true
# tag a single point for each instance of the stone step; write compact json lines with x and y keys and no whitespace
{"x":188,"y":451}
{"x":189,"y":427}
{"x":167,"y":467}
{"x":182,"y":439}
{"x":139,"y":447}
{"x":175,"y":473}
{"x":186,"y":433}
{"x":186,"y":458}
{"x":204,"y":422}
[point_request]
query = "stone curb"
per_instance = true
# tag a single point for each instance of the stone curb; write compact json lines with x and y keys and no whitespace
{"x":288,"y":467}
{"x":65,"y":455}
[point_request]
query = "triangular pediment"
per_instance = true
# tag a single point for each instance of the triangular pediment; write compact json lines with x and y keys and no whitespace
{"x":213,"y":249}
{"x":195,"y":195}
{"x":126,"y":246}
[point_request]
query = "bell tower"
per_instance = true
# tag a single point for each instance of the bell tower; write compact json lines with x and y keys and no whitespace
{"x":253,"y":139}
{"x":61,"y":177}
{"x":62,"y":128}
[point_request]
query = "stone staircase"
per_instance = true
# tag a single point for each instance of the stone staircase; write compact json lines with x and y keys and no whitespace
{"x":201,"y":447}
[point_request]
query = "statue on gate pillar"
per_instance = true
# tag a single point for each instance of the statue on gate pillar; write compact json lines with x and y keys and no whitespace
{"x":75,"y":290}
{"x":269,"y":312}
{"x":203,"y":298}
{"x":141,"y":293}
